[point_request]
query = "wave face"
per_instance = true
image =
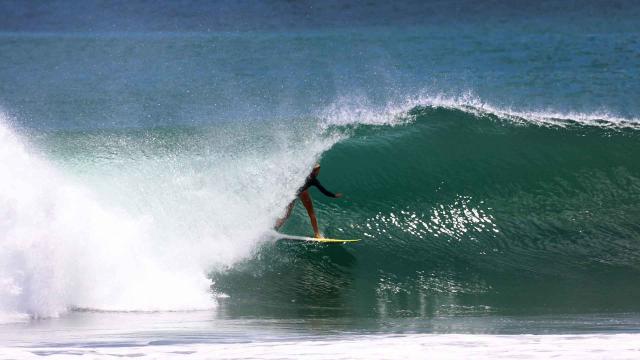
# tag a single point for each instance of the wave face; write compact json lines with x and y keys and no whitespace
{"x":462,"y":209}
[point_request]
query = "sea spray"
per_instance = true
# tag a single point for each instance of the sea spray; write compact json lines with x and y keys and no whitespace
{"x":61,"y":249}
{"x":355,"y":110}
{"x":108,"y":224}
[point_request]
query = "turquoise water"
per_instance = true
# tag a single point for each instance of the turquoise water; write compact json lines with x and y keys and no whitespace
{"x":487,"y":153}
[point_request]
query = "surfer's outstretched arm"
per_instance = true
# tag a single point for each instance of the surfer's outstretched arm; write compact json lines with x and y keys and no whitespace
{"x":323,"y":190}
{"x":308,"y":204}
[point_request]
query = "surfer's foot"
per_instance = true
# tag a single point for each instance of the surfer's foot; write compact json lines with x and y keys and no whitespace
{"x":318,"y":236}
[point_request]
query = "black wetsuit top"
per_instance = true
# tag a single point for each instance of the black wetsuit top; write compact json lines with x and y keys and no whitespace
{"x":313,"y":181}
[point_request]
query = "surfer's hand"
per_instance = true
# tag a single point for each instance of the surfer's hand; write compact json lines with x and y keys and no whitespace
{"x":338,"y":195}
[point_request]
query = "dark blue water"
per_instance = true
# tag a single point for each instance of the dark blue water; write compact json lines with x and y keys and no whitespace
{"x":92,"y":64}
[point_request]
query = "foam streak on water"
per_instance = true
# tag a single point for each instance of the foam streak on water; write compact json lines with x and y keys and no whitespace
{"x":436,"y":346}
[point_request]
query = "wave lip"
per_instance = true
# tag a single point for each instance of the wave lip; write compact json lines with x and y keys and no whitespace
{"x":349,"y":111}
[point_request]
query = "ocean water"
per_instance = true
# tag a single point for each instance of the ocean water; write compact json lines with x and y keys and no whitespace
{"x":488,"y":153}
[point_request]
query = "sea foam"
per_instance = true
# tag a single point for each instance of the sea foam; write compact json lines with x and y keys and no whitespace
{"x":133,"y":231}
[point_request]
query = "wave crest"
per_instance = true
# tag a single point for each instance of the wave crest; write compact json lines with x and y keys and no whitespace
{"x":349,"y":111}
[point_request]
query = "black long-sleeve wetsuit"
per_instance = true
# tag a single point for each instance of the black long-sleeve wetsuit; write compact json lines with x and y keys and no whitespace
{"x":313,"y":181}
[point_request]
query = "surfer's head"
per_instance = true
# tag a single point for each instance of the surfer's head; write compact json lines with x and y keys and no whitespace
{"x":316,"y":170}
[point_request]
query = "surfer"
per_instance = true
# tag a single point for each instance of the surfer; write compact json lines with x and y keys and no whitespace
{"x":305,"y":197}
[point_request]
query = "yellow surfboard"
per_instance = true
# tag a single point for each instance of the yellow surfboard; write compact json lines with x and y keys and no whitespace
{"x":312,"y":239}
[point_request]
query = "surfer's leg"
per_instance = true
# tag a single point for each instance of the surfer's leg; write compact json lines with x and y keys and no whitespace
{"x":308,"y":204}
{"x":281,"y":221}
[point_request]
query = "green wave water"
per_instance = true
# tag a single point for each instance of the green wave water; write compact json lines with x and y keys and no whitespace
{"x":460,"y":212}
